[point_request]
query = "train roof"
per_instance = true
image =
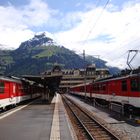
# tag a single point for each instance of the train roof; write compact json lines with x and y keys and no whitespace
{"x":10,"y":79}
{"x":81,"y":84}
{"x":118,"y":77}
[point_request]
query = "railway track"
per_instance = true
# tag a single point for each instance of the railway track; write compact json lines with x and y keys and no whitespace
{"x":86,"y":127}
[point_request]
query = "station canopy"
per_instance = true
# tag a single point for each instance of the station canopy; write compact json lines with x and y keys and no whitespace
{"x":50,"y":79}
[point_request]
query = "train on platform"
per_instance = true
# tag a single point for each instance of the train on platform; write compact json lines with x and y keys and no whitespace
{"x":121,"y":93}
{"x":14,"y":91}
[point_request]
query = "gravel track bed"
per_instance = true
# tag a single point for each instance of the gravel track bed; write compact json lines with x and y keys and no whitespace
{"x":126,"y":129}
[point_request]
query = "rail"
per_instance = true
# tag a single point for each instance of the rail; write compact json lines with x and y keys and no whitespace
{"x":89,"y":128}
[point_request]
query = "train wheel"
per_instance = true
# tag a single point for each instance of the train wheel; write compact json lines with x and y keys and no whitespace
{"x":3,"y":109}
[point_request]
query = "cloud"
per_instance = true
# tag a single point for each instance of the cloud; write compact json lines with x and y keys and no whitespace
{"x":37,"y":13}
{"x":17,"y":23}
{"x":121,"y":26}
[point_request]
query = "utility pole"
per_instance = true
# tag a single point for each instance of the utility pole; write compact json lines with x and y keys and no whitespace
{"x":84,"y":73}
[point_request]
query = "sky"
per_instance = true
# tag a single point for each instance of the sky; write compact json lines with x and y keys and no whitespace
{"x":103,"y":28}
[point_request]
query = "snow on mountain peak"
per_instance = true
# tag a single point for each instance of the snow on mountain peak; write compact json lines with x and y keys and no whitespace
{"x":39,"y":39}
{"x":41,"y":36}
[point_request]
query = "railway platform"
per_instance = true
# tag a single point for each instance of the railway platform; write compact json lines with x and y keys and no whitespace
{"x":37,"y":121}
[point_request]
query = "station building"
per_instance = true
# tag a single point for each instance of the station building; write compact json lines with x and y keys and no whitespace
{"x":71,"y":77}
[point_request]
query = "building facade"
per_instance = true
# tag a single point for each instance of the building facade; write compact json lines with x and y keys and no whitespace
{"x":73,"y":77}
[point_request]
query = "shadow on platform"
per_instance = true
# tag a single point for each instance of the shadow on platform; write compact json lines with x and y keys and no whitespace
{"x":43,"y":101}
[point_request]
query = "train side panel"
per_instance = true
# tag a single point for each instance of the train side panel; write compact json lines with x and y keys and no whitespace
{"x":100,"y":90}
{"x":15,"y":91}
{"x":4,"y":94}
{"x":123,"y":90}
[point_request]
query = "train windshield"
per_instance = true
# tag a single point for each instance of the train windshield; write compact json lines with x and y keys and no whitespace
{"x":1,"y":87}
{"x":135,"y":84}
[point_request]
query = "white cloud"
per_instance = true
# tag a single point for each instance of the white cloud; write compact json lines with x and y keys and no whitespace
{"x":120,"y":27}
{"x":13,"y":38}
{"x":16,"y":23}
{"x":37,"y":13}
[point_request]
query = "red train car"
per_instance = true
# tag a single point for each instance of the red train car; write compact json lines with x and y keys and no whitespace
{"x":13,"y":91}
{"x":123,"y":91}
{"x":82,"y":89}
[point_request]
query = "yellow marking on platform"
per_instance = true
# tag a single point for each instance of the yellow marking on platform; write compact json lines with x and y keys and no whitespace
{"x":55,"y":130}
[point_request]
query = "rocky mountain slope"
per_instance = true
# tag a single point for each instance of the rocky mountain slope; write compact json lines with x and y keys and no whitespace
{"x":39,"y":54}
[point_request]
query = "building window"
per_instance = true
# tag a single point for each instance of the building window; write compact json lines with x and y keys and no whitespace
{"x":124,"y":85}
{"x":1,"y":87}
{"x":135,"y":85}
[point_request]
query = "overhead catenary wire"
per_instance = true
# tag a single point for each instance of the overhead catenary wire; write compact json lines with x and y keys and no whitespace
{"x":122,"y":44}
{"x":90,"y":20}
{"x":97,"y":4}
{"x":121,"y":32}
{"x":98,"y":18}
{"x":94,"y":25}
{"x":126,"y":52}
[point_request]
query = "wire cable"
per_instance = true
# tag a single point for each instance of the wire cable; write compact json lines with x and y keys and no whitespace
{"x":98,"y":19}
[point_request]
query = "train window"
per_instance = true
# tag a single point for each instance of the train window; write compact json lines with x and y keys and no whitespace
{"x":81,"y":89}
{"x":135,"y":86}
{"x":1,"y":87}
{"x":124,"y":85}
{"x":95,"y":88}
{"x":104,"y":87}
{"x":98,"y":87}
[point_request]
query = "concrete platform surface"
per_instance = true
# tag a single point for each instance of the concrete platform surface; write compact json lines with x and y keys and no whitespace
{"x":38,"y":121}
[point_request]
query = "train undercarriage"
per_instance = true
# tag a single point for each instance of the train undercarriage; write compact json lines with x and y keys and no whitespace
{"x":123,"y":109}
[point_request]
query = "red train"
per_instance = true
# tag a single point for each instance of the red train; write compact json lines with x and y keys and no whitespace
{"x":121,"y":93}
{"x":14,"y":91}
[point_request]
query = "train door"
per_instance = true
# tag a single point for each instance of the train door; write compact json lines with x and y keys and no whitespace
{"x":110,"y":92}
{"x":91,"y":90}
{"x":134,"y":93}
{"x":17,"y":93}
{"x":2,"y":90}
{"x":3,"y":95}
{"x":12,"y":93}
{"x":124,"y":91}
{"x":114,"y":90}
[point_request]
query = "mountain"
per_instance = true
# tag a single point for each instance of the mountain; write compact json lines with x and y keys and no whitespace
{"x":39,"y":54}
{"x":102,"y":64}
{"x":5,"y":60}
